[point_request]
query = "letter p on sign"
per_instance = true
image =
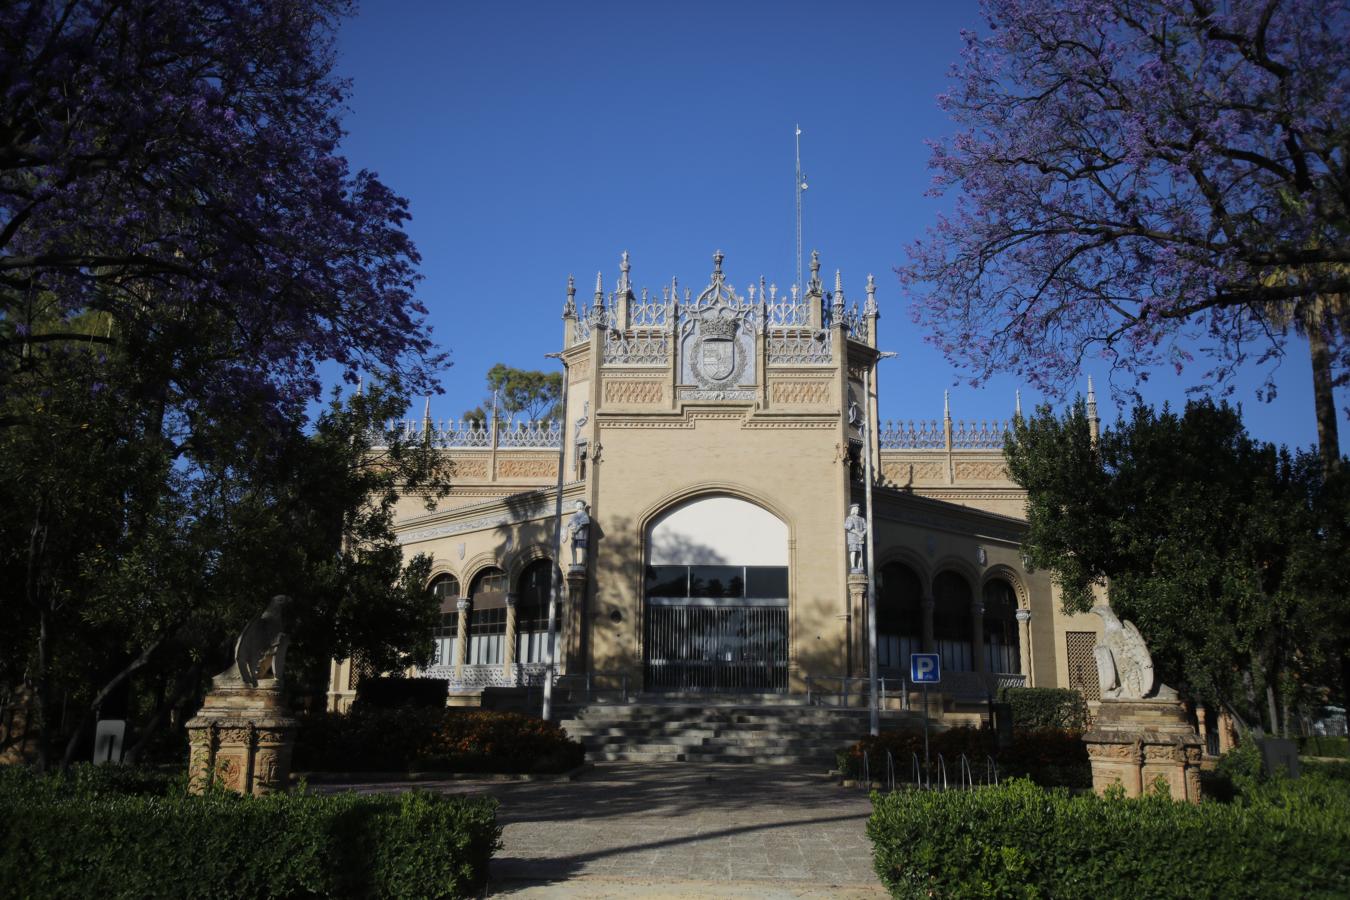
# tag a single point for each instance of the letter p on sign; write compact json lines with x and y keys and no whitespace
{"x":925,"y":668}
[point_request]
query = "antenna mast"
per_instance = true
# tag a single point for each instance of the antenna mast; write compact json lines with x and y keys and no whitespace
{"x":800,"y":188}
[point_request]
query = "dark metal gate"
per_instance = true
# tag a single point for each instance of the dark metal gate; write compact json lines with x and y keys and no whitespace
{"x":716,"y":648}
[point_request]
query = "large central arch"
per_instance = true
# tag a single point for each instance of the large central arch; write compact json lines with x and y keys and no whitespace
{"x":716,"y":597}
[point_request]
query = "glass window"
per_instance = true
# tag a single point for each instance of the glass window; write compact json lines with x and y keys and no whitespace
{"x":489,"y":581}
{"x":667,"y":581}
{"x":899,"y":616}
{"x":1002,"y":642}
{"x":532,"y":593}
{"x":445,"y":588}
{"x":766,"y":582}
{"x":952,"y":622}
{"x":716,"y":581}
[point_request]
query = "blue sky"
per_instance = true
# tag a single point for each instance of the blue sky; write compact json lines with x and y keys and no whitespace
{"x":540,"y":139}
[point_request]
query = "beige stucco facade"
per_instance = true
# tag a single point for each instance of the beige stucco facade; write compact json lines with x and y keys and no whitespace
{"x":762,"y":398}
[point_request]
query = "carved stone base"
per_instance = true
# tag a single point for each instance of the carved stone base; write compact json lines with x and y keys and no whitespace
{"x":241,"y":739}
{"x":1135,"y":743}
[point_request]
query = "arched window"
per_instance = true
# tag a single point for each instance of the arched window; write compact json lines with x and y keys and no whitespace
{"x":532,"y":592}
{"x":1002,"y":645}
{"x":899,"y":615}
{"x":445,"y":588}
{"x":952,"y":624}
{"x":487,"y":618}
{"x":716,"y":605}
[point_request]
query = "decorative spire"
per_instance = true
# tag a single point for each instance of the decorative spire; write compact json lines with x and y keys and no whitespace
{"x":718,"y":256}
{"x":946,"y":404}
{"x":870,"y":307}
{"x":426,"y":412}
{"x":838,"y":305}
{"x":1017,"y":407}
{"x":814,"y":286}
{"x":1094,"y":424}
{"x":360,"y":385}
{"x":570,"y":307}
{"x":599,"y":288}
{"x":624,"y":268}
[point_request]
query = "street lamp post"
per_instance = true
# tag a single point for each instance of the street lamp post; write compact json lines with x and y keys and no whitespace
{"x":556,"y":592}
{"x":874,"y":714}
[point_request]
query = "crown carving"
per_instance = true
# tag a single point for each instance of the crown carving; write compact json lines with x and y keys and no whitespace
{"x":719,"y":328}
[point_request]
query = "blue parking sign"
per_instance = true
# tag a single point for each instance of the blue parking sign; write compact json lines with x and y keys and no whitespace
{"x":925,"y":668}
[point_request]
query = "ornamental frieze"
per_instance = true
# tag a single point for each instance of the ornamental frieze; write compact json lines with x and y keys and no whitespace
{"x":800,"y":392}
{"x":632,"y":393}
{"x":527,"y":468}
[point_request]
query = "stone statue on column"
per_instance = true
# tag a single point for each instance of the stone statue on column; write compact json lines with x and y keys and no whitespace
{"x":579,"y":533}
{"x":855,"y":532}
{"x":243,"y":735}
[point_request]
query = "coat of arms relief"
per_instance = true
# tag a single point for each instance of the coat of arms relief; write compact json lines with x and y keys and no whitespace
{"x":717,"y":344}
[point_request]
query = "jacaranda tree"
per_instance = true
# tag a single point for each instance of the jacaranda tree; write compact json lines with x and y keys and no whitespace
{"x":182,"y":246}
{"x":1141,"y":181}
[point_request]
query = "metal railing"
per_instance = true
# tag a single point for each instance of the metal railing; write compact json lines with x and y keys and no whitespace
{"x":843,"y":691}
{"x":932,"y":777}
{"x":588,"y":687}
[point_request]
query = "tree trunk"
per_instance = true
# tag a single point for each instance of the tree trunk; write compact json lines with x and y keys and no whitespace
{"x":92,"y":710}
{"x":1324,"y":399}
{"x":186,"y":686}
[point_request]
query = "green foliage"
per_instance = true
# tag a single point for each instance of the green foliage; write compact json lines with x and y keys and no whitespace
{"x":1053,"y":757}
{"x":57,"y":840}
{"x":1018,"y":840}
{"x":1319,"y":745}
{"x":441,"y":740}
{"x":530,"y":393}
{"x":1223,"y":550}
{"x":1037,"y":707}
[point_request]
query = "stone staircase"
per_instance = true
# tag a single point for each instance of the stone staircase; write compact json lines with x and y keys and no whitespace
{"x":765,"y":729}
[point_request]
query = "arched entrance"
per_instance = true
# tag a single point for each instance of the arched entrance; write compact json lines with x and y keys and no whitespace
{"x":716,"y":598}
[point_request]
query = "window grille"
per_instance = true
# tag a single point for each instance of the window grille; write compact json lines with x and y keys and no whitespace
{"x":1082,"y":664}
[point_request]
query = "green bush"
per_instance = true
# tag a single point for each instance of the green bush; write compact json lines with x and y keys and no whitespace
{"x":1038,"y":707}
{"x":1019,"y":840}
{"x":1049,"y":756}
{"x":438,"y":740}
{"x":1318,"y":745}
{"x":63,"y":838}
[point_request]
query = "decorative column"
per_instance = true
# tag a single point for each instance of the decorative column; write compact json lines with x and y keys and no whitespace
{"x":856,"y":622}
{"x":927,"y":605}
{"x":576,"y":603}
{"x":1024,"y":642}
{"x":462,"y":637}
{"x":977,"y":635}
{"x":509,"y":657}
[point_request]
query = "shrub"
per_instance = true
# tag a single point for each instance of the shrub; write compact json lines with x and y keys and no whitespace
{"x":398,"y":692}
{"x":1019,"y":840}
{"x":444,"y":740}
{"x":64,"y":840}
{"x":1321,"y":745}
{"x":1038,"y":707}
{"x":1049,"y":756}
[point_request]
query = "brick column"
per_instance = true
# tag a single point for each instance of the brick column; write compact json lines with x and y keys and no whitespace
{"x":462,"y":636}
{"x":929,"y":645}
{"x":1024,"y":642}
{"x":509,"y":658}
{"x":977,"y":635}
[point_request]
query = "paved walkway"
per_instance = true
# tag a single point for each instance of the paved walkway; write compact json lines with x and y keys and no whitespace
{"x":646,"y":831}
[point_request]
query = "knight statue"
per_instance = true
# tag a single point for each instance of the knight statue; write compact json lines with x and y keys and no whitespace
{"x":579,"y":531}
{"x":855,"y":532}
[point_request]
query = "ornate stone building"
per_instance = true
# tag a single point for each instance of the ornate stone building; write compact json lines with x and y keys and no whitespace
{"x":717,"y":441}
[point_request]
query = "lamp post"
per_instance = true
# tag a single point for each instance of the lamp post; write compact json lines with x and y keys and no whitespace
{"x":556,"y":592}
{"x":874,"y":713}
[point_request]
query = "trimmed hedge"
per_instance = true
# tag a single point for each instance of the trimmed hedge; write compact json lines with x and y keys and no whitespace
{"x":1049,"y":756}
{"x":436,"y":740}
{"x":58,"y":839}
{"x":1018,"y":840}
{"x":1039,"y":707}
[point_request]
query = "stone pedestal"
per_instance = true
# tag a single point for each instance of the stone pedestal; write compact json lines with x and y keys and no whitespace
{"x":1135,"y":742}
{"x":857,"y":617}
{"x":241,"y":739}
{"x":572,"y":621}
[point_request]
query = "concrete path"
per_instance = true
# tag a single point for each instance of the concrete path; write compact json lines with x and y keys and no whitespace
{"x":646,"y":831}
